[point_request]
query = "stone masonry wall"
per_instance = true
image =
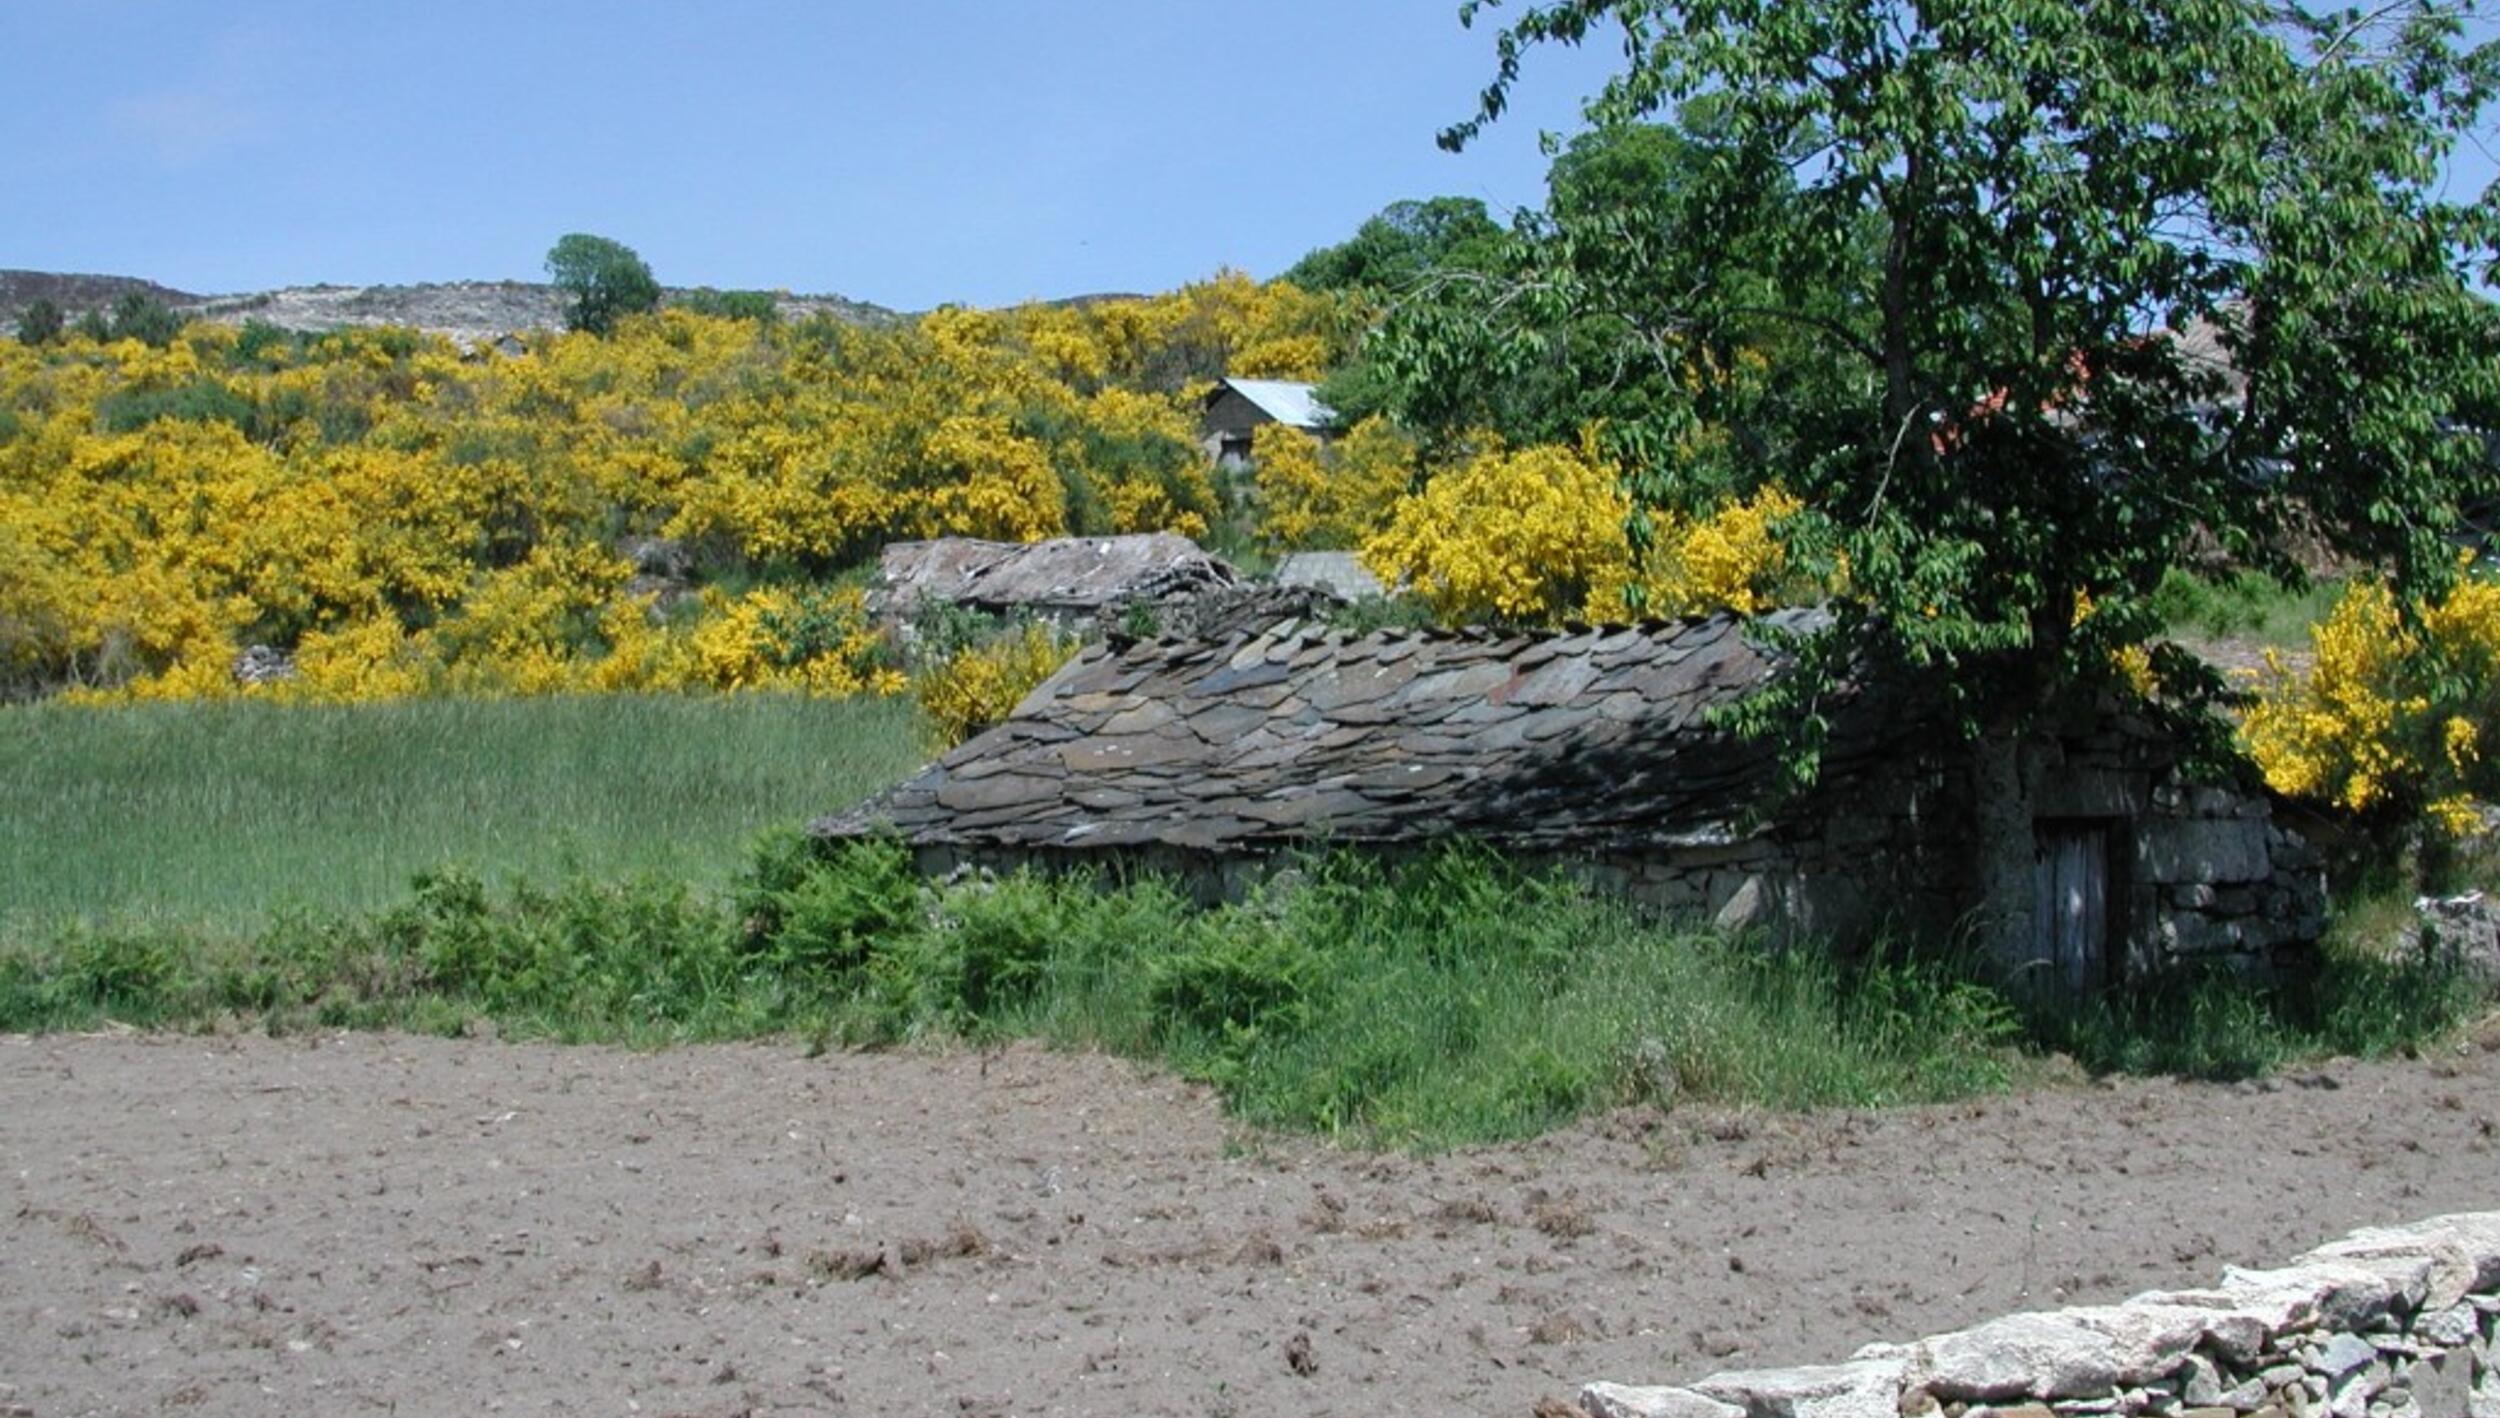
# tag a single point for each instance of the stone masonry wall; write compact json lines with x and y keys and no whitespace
{"x":2216,"y":881}
{"x":2392,"y":1322}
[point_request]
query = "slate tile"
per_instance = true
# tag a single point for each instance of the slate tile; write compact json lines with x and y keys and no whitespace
{"x":1232,"y":679}
{"x":1226,"y":724}
{"x":1108,"y":754}
{"x":1142,"y":717}
{"x":1465,"y":682}
{"x":1468,"y":717}
{"x":983,"y":794}
{"x":1266,"y":696}
{"x":1205,"y":833}
{"x":1557,"y":683}
{"x":1357,"y":684}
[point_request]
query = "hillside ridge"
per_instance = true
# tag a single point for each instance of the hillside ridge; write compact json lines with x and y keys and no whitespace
{"x":469,"y":312}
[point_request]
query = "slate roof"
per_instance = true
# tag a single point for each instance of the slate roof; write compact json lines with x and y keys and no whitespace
{"x":1069,"y":574}
{"x":1585,"y":740}
{"x":1289,"y":402}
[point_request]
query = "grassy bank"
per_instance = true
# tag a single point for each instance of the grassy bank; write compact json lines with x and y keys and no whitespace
{"x":1447,"y":1001}
{"x":216,"y":817}
{"x":2244,"y":606}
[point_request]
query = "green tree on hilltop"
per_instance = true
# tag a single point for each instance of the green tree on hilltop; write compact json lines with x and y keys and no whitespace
{"x":603,"y":281}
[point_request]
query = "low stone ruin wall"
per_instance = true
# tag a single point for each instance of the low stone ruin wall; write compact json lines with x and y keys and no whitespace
{"x":2394,"y":1322}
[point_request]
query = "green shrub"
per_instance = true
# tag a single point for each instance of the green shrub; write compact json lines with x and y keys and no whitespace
{"x":2241,"y":605}
{"x":39,"y":323}
{"x":142,"y":317}
{"x":756,"y":305}
{"x":821,"y":916}
{"x":1448,"y":999}
{"x":200,"y":401}
{"x":1243,"y":979}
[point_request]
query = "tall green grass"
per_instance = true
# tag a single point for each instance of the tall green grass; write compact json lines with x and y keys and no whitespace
{"x":221,"y":817}
{"x":1452,"y":999}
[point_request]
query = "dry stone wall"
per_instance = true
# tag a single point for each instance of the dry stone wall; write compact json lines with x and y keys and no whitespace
{"x":2392,"y":1322}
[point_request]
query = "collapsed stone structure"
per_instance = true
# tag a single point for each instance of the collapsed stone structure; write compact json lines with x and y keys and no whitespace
{"x":2393,"y":1322}
{"x":1212,"y":759}
{"x":1066,"y":580}
{"x":1097,"y":588}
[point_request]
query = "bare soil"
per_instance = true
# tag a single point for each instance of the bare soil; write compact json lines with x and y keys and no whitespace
{"x":344,"y":1224}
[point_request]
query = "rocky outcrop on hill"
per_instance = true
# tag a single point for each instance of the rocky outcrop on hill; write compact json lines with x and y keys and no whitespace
{"x":469,"y":312}
{"x":75,"y":293}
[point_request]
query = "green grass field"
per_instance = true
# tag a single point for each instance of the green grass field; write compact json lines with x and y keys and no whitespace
{"x":216,"y":816}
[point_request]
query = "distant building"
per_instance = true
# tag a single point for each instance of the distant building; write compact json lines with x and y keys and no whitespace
{"x":1235,"y":409}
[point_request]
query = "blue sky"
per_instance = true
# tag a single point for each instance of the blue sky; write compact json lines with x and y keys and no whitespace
{"x":907,"y":152}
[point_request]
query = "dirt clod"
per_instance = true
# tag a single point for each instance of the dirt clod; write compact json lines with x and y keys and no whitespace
{"x":1298,"y":1355}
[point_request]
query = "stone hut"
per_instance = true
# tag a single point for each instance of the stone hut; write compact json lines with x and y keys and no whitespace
{"x":1235,"y":409}
{"x":1214,"y":759}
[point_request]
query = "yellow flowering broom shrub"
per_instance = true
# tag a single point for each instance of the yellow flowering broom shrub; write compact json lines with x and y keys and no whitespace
{"x":981,"y":684}
{"x":1538,"y":534}
{"x":1730,"y":559}
{"x":1334,"y":495}
{"x":2390,"y":719}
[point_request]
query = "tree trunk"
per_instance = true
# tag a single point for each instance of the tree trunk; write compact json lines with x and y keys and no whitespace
{"x":2004,"y":865}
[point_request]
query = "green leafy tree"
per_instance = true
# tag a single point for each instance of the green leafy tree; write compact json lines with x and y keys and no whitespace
{"x":1577,"y":320}
{"x":1397,"y":248}
{"x":2076,"y":284}
{"x":39,"y":323}
{"x":603,"y":281}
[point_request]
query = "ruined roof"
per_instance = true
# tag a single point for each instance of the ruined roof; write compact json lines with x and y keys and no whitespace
{"x":1338,"y":572}
{"x":1074,"y":574}
{"x":1587,"y":740}
{"x":1289,"y":402}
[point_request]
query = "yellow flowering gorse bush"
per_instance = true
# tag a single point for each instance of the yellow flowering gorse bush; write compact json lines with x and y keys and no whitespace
{"x":1334,"y":495}
{"x":406,"y":518}
{"x":2389,"y":719}
{"x":981,"y":684}
{"x":1538,"y":534}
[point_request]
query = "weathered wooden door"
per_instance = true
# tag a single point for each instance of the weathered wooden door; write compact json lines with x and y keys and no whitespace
{"x":2070,"y":910}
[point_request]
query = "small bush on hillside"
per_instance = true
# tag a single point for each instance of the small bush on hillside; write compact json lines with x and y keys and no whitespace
{"x":200,"y":401}
{"x":39,"y":323}
{"x":756,"y":305}
{"x":146,"y":319}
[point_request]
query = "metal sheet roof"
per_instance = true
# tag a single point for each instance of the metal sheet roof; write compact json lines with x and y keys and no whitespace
{"x":1287,"y":401}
